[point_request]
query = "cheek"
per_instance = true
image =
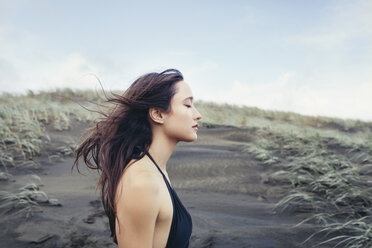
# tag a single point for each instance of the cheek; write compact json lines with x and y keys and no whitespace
{"x":179,"y":120}
{"x":179,"y":125}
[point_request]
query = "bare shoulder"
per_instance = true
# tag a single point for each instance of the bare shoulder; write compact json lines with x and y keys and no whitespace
{"x":139,"y":171}
{"x":138,"y":202}
{"x":139,"y":179}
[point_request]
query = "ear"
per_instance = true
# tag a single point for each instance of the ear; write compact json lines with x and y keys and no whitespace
{"x":156,"y":115}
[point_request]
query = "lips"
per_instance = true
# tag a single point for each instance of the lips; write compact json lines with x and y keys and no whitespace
{"x":195,"y":125}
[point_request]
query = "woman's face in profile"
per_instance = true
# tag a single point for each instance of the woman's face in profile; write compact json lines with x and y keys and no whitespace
{"x":180,"y":122}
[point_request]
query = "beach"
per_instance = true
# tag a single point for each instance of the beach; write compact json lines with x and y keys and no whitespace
{"x":226,"y":191}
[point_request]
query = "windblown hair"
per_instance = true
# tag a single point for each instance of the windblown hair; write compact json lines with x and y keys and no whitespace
{"x":113,"y":141}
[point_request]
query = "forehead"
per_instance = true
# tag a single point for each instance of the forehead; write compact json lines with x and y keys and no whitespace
{"x":183,"y":91}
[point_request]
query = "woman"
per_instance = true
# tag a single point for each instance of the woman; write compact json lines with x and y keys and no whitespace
{"x":131,"y":147}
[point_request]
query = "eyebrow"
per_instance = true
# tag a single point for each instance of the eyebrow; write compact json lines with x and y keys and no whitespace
{"x":190,"y":97}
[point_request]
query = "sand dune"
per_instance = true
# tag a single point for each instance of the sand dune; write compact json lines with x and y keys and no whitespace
{"x":224,"y":189}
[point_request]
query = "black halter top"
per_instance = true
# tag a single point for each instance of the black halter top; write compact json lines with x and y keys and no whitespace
{"x":181,"y":228}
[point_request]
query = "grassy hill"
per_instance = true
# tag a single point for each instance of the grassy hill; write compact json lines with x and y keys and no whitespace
{"x":325,"y":162}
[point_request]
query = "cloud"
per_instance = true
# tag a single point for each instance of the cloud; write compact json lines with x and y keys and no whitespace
{"x":284,"y":94}
{"x":73,"y":71}
{"x":182,"y":53}
{"x":8,"y":72}
{"x":344,"y":22}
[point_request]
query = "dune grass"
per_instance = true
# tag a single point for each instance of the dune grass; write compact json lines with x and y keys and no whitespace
{"x":326,"y":174}
{"x":25,"y":200}
{"x":24,"y":119}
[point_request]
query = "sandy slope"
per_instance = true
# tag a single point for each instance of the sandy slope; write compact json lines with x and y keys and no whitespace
{"x":223,"y":188}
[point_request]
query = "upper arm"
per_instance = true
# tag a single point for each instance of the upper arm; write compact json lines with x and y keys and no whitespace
{"x":137,"y":208}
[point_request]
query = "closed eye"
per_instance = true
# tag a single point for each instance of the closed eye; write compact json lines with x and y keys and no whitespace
{"x":189,"y":106}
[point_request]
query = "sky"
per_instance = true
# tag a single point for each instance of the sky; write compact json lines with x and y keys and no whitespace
{"x":309,"y":57}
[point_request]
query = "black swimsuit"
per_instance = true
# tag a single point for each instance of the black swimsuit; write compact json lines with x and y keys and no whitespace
{"x":181,"y":228}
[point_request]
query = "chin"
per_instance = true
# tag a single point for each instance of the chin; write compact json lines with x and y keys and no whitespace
{"x":190,"y":139}
{"x":194,"y":138}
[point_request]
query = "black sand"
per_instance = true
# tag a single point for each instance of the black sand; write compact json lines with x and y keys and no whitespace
{"x":224,"y":189}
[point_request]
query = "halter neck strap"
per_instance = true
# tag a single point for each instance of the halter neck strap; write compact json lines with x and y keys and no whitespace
{"x":148,"y":154}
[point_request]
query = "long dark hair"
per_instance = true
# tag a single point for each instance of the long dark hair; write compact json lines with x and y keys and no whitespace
{"x":115,"y":139}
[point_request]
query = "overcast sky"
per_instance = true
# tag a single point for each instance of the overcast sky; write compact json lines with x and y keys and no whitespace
{"x":310,"y":57}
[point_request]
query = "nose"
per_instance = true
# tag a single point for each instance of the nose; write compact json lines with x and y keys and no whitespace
{"x":198,"y":116}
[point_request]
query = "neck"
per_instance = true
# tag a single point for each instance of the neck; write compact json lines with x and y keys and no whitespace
{"x":161,"y":149}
